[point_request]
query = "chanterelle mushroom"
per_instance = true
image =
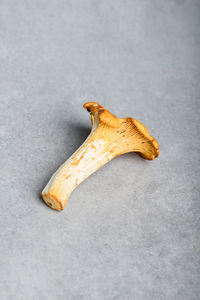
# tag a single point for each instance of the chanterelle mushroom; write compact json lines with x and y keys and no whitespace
{"x":110,"y":136}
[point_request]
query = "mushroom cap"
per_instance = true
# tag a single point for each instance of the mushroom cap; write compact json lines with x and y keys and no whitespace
{"x":122,"y":134}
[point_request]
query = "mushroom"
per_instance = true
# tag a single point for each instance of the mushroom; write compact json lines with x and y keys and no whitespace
{"x":110,"y":136}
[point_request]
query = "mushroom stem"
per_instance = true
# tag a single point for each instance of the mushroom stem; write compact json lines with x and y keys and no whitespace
{"x":110,"y":136}
{"x":85,"y":161}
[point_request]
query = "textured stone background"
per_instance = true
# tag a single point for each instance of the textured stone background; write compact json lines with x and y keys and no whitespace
{"x":131,"y":231}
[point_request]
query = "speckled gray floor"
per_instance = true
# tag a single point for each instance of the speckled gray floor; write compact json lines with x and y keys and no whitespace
{"x":131,"y":231}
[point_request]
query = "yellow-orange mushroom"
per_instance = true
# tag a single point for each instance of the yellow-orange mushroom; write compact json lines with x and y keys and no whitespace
{"x":110,"y":136}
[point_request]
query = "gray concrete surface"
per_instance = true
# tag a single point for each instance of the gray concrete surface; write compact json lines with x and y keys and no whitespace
{"x":131,"y":231}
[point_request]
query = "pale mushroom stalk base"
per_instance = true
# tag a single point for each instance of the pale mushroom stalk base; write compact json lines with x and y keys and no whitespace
{"x":110,"y":136}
